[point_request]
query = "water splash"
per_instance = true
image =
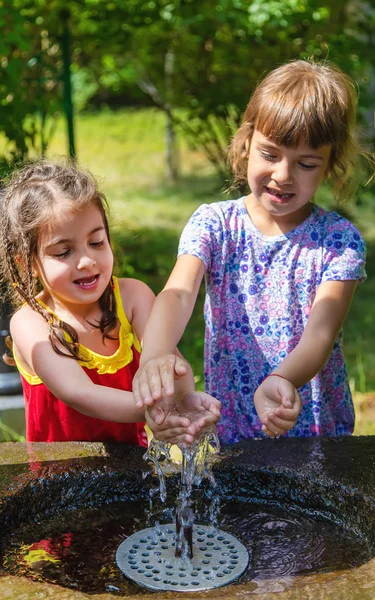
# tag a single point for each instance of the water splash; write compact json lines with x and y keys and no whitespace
{"x":196,"y":465}
{"x":156,"y":454}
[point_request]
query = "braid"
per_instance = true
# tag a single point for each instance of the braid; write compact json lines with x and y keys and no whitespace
{"x":31,"y":196}
{"x":109,"y":319}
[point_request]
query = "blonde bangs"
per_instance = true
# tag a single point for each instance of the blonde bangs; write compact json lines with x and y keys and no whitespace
{"x":297,"y":116}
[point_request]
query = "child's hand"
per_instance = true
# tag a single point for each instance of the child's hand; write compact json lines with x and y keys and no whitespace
{"x":202,"y":410}
{"x":155,"y":379}
{"x":278,"y":405}
{"x":174,"y":429}
{"x":194,"y":413}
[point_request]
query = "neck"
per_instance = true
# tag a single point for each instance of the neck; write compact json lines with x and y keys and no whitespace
{"x":272,"y":225}
{"x":70,"y":312}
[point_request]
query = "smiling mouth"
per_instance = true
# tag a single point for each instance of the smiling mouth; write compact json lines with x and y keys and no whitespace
{"x":284,"y":196}
{"x":86,"y":281}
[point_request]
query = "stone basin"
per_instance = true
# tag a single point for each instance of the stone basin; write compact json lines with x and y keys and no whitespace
{"x":331,"y":481}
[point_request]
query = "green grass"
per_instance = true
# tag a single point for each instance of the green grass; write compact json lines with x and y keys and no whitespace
{"x":125,"y":150}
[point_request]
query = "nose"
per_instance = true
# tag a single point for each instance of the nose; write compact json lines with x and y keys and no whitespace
{"x":85,"y":262}
{"x":282,"y":173}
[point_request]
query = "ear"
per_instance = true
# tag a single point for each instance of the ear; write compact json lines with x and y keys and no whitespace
{"x":35,"y":269}
{"x":247,"y":145}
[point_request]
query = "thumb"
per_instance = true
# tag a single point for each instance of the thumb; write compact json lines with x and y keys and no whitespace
{"x":288,"y":399}
{"x":157,"y":415}
{"x":180,"y":367}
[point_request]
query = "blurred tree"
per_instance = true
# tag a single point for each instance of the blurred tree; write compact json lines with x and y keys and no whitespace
{"x":206,"y":56}
{"x":29,"y":66}
{"x":197,"y":60}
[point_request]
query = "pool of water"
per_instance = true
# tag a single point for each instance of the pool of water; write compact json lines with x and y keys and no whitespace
{"x":77,"y":549}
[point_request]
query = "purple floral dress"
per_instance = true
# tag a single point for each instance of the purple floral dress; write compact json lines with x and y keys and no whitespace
{"x":259,"y":292}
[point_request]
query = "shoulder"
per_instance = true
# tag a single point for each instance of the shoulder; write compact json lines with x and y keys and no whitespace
{"x":333,"y":223}
{"x":29,"y":332}
{"x":223,"y":210}
{"x":135,"y":295}
{"x":215,"y":220}
{"x":335,"y":233}
{"x":343,"y":248}
{"x":27,"y":319}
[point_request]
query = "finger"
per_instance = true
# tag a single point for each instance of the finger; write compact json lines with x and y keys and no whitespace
{"x":282,"y":424}
{"x":271,"y":427}
{"x":215,"y":409}
{"x":145,"y":391}
{"x":186,"y":440}
{"x":180,"y":367}
{"x":156,"y":414}
{"x":166,"y":370}
{"x":176,"y":420}
{"x":168,"y":424}
{"x":287,"y":400}
{"x":289,"y":414}
{"x":174,"y":436}
{"x":211,"y":404}
{"x":155,"y":382}
{"x":137,"y":393}
{"x":197,"y":426}
{"x":205,"y":423}
{"x":268,"y":432}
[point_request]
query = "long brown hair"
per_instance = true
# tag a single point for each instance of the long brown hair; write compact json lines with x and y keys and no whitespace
{"x":34,"y":194}
{"x":303,"y":101}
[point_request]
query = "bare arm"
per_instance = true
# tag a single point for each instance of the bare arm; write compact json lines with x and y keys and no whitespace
{"x":169,"y":316}
{"x":172,"y":308}
{"x":327,"y":315}
{"x":64,"y":377}
{"x":277,"y":401}
{"x":138,"y":300}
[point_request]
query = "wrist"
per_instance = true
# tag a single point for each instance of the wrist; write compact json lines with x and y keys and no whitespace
{"x":277,"y":375}
{"x":146,"y":356}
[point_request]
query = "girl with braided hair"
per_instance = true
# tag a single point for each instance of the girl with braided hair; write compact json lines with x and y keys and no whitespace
{"x":77,"y":329}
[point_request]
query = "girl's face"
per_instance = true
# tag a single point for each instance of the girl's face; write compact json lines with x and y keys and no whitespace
{"x":74,"y":259}
{"x":283,"y":179}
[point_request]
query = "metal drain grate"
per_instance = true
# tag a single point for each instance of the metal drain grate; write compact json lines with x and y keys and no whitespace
{"x":148,"y":558}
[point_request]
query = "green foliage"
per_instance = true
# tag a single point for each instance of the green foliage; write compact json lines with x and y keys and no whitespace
{"x":201,"y":56}
{"x":9,"y":435}
{"x":206,"y":57}
{"x":29,"y":84}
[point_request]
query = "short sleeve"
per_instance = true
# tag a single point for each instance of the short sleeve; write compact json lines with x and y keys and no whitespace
{"x":202,"y":234}
{"x":344,"y":253}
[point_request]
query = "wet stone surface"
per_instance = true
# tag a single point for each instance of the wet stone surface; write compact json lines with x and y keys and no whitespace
{"x":304,"y":509}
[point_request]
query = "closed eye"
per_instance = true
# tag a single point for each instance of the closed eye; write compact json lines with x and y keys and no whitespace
{"x":96,"y":244}
{"x":62,"y":254}
{"x":267,"y":156}
{"x":307,"y":167}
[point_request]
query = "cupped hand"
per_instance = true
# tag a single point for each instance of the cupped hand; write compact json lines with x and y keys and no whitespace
{"x":194,"y":413}
{"x":278,"y":405}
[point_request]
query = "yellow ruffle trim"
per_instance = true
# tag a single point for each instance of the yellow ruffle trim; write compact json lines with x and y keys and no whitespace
{"x":110,"y":364}
{"x":91,"y":360}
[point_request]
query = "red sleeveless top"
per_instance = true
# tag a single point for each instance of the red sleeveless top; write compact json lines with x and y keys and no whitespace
{"x":48,"y":419}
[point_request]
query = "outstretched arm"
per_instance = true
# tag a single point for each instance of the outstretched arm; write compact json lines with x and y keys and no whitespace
{"x":64,"y":377}
{"x":277,"y":401}
{"x":327,"y":315}
{"x":160,"y":366}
